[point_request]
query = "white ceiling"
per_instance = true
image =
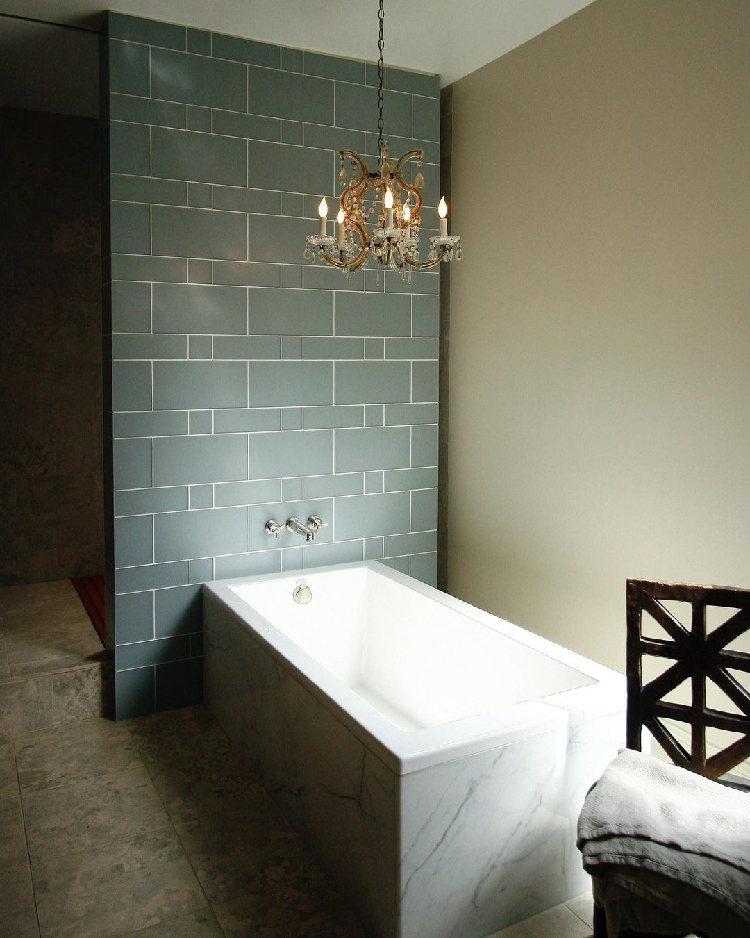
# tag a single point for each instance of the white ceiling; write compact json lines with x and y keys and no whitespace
{"x":47,"y":68}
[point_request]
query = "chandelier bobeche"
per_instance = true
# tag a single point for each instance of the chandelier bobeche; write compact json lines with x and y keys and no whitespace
{"x":395,"y":203}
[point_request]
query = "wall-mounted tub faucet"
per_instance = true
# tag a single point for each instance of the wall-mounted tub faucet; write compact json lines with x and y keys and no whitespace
{"x":308,"y":531}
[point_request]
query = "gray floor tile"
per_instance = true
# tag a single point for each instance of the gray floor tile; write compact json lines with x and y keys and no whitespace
{"x":25,"y":704}
{"x":18,"y":916}
{"x":559,"y":921}
{"x":12,"y":834}
{"x":8,"y":773}
{"x":91,"y":813}
{"x":199,"y":924}
{"x":74,"y":753}
{"x":583,"y":907}
{"x":112,"y":892}
{"x":283,"y":914}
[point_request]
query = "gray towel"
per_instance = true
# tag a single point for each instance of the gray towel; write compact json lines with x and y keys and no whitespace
{"x":648,"y":814}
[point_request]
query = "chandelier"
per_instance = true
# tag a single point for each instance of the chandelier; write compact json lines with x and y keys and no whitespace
{"x":385,"y":201}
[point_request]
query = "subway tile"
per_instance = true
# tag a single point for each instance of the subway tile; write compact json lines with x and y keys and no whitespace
{"x":200,"y":385}
{"x":200,"y":346}
{"x":131,"y":386}
{"x":199,"y":118}
{"x":187,"y":535}
{"x":426,"y":118}
{"x":324,"y":554}
{"x":397,"y":563}
{"x":154,"y":576}
{"x":400,"y":79}
{"x":277,"y":239}
{"x":201,"y":421}
{"x":134,"y":693}
{"x":197,"y":232}
{"x":289,"y":384}
{"x":248,"y":275}
{"x":370,"y":515}
{"x":178,"y":611}
{"x":399,"y":545}
{"x":199,"y":157}
{"x":201,"y":496}
{"x":245,"y":50}
{"x":199,"y":271}
{"x":201,"y":571}
{"x":130,"y":231}
{"x":357,"y":105}
{"x":259,"y":514}
{"x":160,"y":269}
{"x":329,"y":486}
{"x":291,"y":490}
{"x":374,"y":415}
{"x":425,"y":314}
{"x":154,"y":191}
{"x":288,"y":95}
{"x":424,"y":381}
{"x":372,"y":448}
{"x":326,"y":278}
{"x":332,"y":348}
{"x":333,"y":138}
{"x":331,"y":66}
{"x":247,"y":346}
{"x":402,"y":414}
{"x":199,"y":195}
{"x":292,"y":60}
{"x":128,"y":68}
{"x":247,"y":200}
{"x":292,"y":453}
{"x":235,"y":421}
{"x":194,"y":79}
{"x":180,"y":460}
{"x":411,"y":348}
{"x":291,"y":133}
{"x":134,"y":618}
{"x":291,"y":346}
{"x":374,"y":481}
{"x":372,"y":314}
{"x":246,"y":125}
{"x":248,"y":564}
{"x":369,"y":382}
{"x":296,"y":168}
{"x":291,"y":418}
{"x":179,"y":684}
{"x":149,"y":346}
{"x":421,"y":282}
{"x":373,"y":548}
{"x":424,"y":567}
{"x":292,"y":559}
{"x":290,"y":312}
{"x":164,"y":423}
{"x":199,"y":308}
{"x":320,"y":418}
{"x":247,"y":493}
{"x":199,"y":41}
{"x":132,"y":464}
{"x":148,"y":501}
{"x":400,"y":480}
{"x":129,"y":148}
{"x":150,"y":32}
{"x":292,"y":203}
{"x":133,"y":541}
{"x":424,"y":510}
{"x":131,"y":306}
{"x":374,"y":348}
{"x":145,"y":111}
{"x":142,"y":654}
{"x":424,"y":445}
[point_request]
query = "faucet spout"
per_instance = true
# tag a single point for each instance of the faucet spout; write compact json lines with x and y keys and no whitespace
{"x":296,"y":527}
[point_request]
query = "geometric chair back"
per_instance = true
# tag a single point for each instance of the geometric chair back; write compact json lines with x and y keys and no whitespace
{"x":697,"y":656}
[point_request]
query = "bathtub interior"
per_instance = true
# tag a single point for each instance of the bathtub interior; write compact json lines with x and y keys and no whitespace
{"x":419,"y":662}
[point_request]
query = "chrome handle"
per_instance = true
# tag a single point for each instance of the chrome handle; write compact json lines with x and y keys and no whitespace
{"x":315,"y":523}
{"x":273,"y":527}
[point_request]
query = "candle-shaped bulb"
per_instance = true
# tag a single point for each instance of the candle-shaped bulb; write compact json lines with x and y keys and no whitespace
{"x":323,"y":213}
{"x":443,"y":213}
{"x":341,"y":216}
{"x":388,"y":198}
{"x":340,"y":227}
{"x":407,"y":214}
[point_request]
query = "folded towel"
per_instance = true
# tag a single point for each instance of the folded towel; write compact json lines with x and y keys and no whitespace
{"x":652,"y":815}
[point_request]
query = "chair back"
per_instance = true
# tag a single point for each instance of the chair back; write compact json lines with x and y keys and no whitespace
{"x":698,"y":656}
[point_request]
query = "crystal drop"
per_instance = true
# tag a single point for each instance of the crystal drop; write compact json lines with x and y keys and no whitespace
{"x":342,"y":176}
{"x":385,"y":169}
{"x":419,"y":181}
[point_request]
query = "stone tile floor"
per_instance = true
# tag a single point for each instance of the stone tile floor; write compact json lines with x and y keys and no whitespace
{"x":153,"y":828}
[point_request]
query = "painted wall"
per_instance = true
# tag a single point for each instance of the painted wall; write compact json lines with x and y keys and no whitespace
{"x":51,"y":524}
{"x":600,"y":333}
{"x":246,"y":383}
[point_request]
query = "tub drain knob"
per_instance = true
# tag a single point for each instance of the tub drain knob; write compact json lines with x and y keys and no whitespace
{"x":302,"y":593}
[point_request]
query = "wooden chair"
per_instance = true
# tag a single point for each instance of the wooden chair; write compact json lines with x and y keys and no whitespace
{"x":698,"y":656}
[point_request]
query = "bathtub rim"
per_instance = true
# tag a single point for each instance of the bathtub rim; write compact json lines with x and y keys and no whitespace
{"x":410,"y":751}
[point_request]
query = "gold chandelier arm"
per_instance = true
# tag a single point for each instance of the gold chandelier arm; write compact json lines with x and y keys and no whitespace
{"x":425,"y":265}
{"x":398,"y":176}
{"x":360,"y":164}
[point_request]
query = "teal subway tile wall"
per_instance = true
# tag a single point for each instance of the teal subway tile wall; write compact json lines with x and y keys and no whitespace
{"x":246,"y":383}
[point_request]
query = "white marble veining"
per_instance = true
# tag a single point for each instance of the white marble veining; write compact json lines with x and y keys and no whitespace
{"x":440,"y":831}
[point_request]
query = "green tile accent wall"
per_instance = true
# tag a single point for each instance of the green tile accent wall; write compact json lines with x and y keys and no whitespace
{"x":245,"y":382}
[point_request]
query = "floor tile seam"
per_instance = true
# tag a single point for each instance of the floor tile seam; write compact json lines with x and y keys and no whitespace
{"x":40,"y":672}
{"x":28,"y":852}
{"x":88,"y":782}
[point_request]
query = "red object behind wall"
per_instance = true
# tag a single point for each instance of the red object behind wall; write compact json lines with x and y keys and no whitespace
{"x":91,"y":591}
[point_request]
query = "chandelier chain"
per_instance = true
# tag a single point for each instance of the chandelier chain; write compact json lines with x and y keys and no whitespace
{"x":381,"y":75}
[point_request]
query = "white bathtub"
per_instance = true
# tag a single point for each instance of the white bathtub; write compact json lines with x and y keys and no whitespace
{"x":434,"y":756}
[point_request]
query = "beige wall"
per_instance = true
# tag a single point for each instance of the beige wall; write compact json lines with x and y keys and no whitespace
{"x":600,"y":331}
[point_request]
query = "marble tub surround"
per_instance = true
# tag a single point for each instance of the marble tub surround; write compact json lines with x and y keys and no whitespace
{"x":429,"y":828}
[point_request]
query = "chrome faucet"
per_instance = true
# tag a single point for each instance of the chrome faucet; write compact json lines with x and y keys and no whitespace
{"x":309,"y":530}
